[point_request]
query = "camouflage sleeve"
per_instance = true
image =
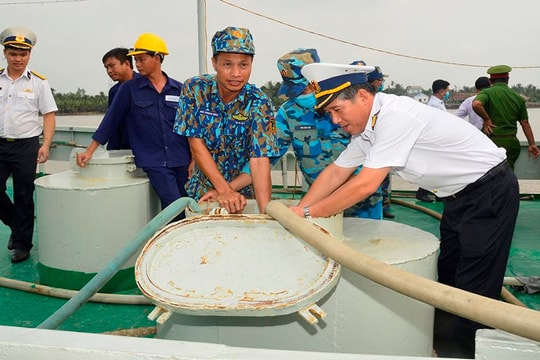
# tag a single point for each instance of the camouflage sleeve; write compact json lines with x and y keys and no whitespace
{"x":264,"y":137}
{"x":187,"y":121}
{"x":283,"y":132}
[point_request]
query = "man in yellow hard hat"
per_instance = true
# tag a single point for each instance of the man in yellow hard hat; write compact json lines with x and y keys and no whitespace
{"x":147,"y":105}
{"x":23,"y":95}
{"x":229,"y":123}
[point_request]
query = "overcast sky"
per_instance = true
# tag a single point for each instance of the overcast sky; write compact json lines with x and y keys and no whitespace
{"x":73,"y":36}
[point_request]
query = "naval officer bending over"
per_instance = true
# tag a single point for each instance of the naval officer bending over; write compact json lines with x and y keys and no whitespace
{"x":439,"y":152}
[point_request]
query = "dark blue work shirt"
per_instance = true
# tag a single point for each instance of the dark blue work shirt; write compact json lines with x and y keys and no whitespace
{"x":148,"y":117}
{"x":119,"y":139}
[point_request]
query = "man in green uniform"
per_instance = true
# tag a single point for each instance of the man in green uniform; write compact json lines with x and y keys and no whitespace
{"x":502,"y":108}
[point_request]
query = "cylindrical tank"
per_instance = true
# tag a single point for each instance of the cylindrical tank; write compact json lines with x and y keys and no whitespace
{"x":86,"y":216}
{"x":361,"y":316}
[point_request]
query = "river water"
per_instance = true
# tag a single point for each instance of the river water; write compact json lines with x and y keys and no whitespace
{"x":93,"y":121}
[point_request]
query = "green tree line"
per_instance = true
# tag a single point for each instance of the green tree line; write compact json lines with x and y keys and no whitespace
{"x":79,"y":102}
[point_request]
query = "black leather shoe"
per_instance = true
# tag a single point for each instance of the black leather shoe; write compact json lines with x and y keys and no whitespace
{"x":424,"y":195}
{"x":387,"y":214}
{"x":10,"y":243}
{"x":19,"y":255}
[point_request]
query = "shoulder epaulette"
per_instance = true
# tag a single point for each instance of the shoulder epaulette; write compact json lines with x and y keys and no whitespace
{"x":2,"y":70}
{"x":38,"y":75}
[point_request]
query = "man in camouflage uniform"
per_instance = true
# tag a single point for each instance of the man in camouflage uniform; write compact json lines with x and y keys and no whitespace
{"x":315,"y":140}
{"x":229,"y":124}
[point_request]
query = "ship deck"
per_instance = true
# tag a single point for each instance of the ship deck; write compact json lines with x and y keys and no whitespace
{"x":27,"y":309}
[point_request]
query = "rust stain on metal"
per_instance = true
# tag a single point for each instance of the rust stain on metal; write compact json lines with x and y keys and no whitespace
{"x":252,"y":300}
{"x":252,"y":295}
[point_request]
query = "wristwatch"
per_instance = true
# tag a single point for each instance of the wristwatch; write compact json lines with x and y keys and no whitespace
{"x":307,"y":214}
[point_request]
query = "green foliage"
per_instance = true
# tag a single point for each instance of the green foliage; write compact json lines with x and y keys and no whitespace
{"x":271,"y":90}
{"x":396,"y":89}
{"x":79,"y":102}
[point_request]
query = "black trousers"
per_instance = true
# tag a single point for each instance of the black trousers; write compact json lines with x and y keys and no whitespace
{"x":476,"y":233}
{"x":18,"y":159}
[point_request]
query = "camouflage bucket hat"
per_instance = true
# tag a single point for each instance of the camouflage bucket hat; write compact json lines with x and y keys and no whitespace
{"x":290,"y":66}
{"x":233,"y":40}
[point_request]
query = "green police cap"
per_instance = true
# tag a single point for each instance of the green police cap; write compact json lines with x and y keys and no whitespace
{"x":499,"y":71}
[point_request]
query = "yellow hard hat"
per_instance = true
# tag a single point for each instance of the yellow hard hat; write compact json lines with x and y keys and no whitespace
{"x":149,"y":43}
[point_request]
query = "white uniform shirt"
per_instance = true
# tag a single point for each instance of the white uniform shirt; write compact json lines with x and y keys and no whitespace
{"x":21,"y":101}
{"x":465,"y":109}
{"x":432,"y":148}
{"x":436,"y":103}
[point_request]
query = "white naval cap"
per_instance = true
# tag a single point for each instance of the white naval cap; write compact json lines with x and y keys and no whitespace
{"x":18,"y":37}
{"x":330,"y":79}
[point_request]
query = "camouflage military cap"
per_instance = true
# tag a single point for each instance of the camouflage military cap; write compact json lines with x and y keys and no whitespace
{"x":233,"y":40}
{"x":290,"y":66}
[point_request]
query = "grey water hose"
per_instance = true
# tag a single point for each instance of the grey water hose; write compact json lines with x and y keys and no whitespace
{"x":105,"y":274}
{"x":511,"y":318}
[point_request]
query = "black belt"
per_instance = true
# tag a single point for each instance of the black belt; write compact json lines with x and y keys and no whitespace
{"x":10,"y":140}
{"x":492,"y":173}
{"x":6,"y":140}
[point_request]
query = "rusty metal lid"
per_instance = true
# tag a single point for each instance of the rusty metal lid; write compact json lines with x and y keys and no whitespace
{"x":232,"y":265}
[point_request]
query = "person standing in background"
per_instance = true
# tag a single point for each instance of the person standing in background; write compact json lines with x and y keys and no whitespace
{"x":147,"y":105}
{"x":229,"y":123}
{"x":466,"y":110}
{"x":24,"y":94}
{"x":441,"y":93}
{"x":501,"y":109}
{"x":119,"y":67}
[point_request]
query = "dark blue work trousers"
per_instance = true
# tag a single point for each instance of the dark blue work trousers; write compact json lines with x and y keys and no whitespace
{"x":169,"y":184}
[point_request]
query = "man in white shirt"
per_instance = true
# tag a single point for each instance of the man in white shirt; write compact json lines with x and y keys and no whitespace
{"x":437,"y":151}
{"x":23,"y":95}
{"x":466,"y":109}
{"x":441,"y":93}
